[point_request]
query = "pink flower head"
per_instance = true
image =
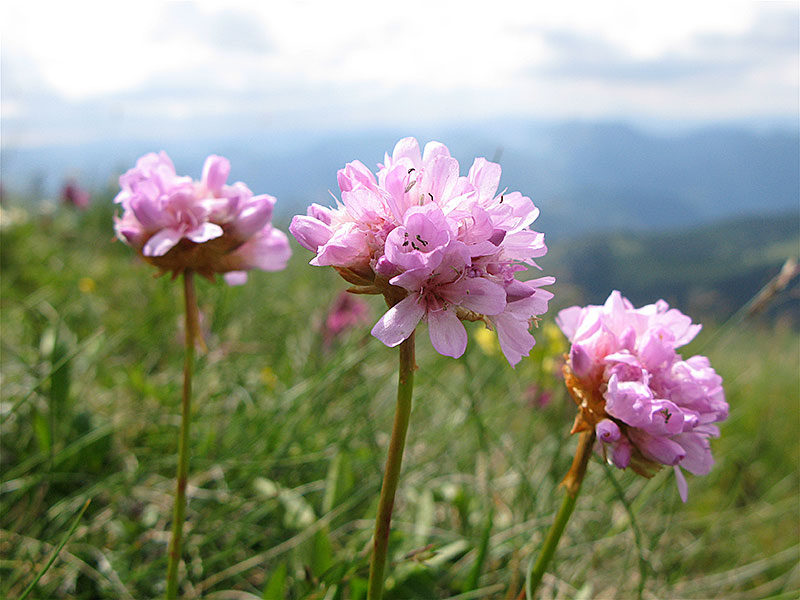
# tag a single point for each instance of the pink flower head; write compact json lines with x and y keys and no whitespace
{"x":647,"y":405}
{"x":443,"y":248}
{"x":210,"y":227}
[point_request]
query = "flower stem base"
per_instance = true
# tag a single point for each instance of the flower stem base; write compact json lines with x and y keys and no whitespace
{"x":391,"y":476}
{"x":179,"y":513}
{"x":572,"y":486}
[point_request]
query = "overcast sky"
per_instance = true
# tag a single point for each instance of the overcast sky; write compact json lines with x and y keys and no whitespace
{"x":75,"y":71}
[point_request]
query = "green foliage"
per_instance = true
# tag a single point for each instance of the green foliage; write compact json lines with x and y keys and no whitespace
{"x":288,"y":443}
{"x":709,"y":271}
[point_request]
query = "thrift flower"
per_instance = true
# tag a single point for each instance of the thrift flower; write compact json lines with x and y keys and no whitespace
{"x":441,"y":247}
{"x":208,"y":226}
{"x":184,"y":226}
{"x":647,"y":405}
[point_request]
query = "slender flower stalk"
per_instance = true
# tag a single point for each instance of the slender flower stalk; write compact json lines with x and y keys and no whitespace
{"x":394,"y":459}
{"x":191,"y":334}
{"x":572,"y":486}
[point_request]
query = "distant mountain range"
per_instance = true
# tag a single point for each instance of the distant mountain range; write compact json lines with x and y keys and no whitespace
{"x":710,"y":271}
{"x":585,"y":176}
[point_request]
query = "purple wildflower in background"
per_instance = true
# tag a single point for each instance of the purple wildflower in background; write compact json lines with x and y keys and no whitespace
{"x":647,"y":405}
{"x":210,"y":227}
{"x":537,"y":397}
{"x":442,"y":247}
{"x":74,"y":195}
{"x":347,"y":312}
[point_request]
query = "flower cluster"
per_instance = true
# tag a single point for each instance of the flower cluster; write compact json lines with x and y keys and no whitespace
{"x":441,"y":247}
{"x":647,"y":406}
{"x":178,"y":224}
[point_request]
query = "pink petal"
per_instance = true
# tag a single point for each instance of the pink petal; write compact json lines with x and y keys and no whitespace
{"x":683,"y":487}
{"x":658,"y":448}
{"x":269,"y":251}
{"x":347,"y":246}
{"x":319,"y":212}
{"x":442,"y":176}
{"x":407,"y":148}
{"x":363,"y":204}
{"x":432,"y":150}
{"x":535,"y":304}
{"x":205,"y":232}
{"x":447,"y":333}
{"x":568,"y":321}
{"x":148,"y":212}
{"x":397,"y":198}
{"x":514,"y":336}
{"x":162,"y":242}
{"x":399,"y":321}
{"x":524,"y":245}
{"x":215,"y":172}
{"x":411,"y":280}
{"x":621,"y":453}
{"x":485,"y":176}
{"x":254,"y":216}
{"x":698,"y":459}
{"x":355,"y":173}
{"x":477,"y":294}
{"x":310,"y":232}
{"x":235,"y":277}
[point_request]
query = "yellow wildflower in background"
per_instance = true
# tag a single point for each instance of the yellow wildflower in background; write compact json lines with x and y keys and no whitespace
{"x":87,"y":285}
{"x":487,"y":341}
{"x":269,"y":378}
{"x":556,"y":341}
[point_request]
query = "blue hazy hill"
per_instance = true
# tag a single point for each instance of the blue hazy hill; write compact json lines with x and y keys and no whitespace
{"x":585,"y":176}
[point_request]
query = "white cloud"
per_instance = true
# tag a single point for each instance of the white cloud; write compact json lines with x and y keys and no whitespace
{"x":317,"y":62}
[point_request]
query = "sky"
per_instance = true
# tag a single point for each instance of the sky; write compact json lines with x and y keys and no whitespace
{"x":81,"y":71}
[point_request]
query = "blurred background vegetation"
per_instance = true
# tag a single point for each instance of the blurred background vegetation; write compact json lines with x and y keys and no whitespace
{"x":290,"y":426}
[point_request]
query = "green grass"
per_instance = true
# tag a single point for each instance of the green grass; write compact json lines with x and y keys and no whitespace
{"x":289,"y":438}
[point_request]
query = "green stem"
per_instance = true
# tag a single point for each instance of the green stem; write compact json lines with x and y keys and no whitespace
{"x":405,"y":385}
{"x":191,"y":332}
{"x":572,"y":484}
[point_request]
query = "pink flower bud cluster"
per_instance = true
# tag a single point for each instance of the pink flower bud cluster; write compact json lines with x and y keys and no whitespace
{"x":178,"y":224}
{"x":440,"y":246}
{"x":647,"y":405}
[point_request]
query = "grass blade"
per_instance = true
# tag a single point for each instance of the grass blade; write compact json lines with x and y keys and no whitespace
{"x":58,"y":549}
{"x":637,"y":534}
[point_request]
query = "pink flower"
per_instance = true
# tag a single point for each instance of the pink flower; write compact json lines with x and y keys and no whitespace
{"x":442,"y":248}
{"x":647,"y":405}
{"x":208,"y":226}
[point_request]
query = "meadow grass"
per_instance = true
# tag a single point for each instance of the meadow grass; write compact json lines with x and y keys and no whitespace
{"x":289,"y":437}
